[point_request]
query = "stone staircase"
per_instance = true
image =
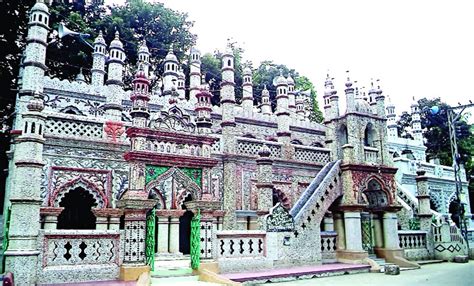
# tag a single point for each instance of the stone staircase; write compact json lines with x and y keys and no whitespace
{"x":175,"y":271}
{"x":382,"y":263}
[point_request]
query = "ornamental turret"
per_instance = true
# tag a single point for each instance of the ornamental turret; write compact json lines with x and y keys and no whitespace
{"x":203,"y":110}
{"x":291,"y":95}
{"x":300,"y":108}
{"x":24,"y":194}
{"x":380,"y":101}
{"x":113,"y":107}
{"x":228,"y":88}
{"x":144,"y":58}
{"x":181,"y":88}
{"x":99,"y":57}
{"x":416,"y":122}
{"x":194,"y":74}
{"x":266,"y":106}
{"x":247,"y":90}
{"x":350,"y":95}
{"x":372,"y":96}
{"x":282,"y":111}
{"x":140,"y":98}
{"x":33,"y":66}
{"x":391,"y":121}
{"x":331,"y":99}
{"x":170,"y":74}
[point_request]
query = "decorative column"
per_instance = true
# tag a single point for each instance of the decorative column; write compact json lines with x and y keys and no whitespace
{"x":378,"y":230}
{"x":264,"y":185}
{"x":380,"y":101}
{"x":102,"y":219}
{"x":163,"y":235}
{"x":114,"y":219}
{"x":339,"y":228}
{"x":228,"y":140}
{"x":353,"y":231}
{"x":144,"y":58}
{"x":328,"y":222}
{"x":50,"y":215}
{"x":170,"y":74}
{"x":174,"y":235}
{"x":424,"y":209}
{"x":203,"y":110}
{"x":134,"y":260}
{"x":390,"y":230}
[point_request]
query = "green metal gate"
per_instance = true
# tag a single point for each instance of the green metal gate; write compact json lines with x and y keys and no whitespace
{"x":196,"y":241}
{"x":150,"y":238}
{"x":367,"y":232}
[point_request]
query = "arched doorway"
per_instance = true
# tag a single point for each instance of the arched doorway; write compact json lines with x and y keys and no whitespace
{"x":77,"y":214}
{"x":185,"y":228}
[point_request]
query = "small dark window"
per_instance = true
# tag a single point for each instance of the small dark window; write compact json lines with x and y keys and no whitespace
{"x":26,"y":127}
{"x":229,"y":63}
{"x":40,"y":129}
{"x":40,"y":18}
{"x":33,"y":127}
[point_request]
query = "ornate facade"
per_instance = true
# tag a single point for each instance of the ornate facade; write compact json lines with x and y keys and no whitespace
{"x":90,"y":160}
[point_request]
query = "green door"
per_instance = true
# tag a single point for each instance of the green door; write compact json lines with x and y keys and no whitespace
{"x":150,"y":238}
{"x":367,"y":232}
{"x":196,"y":241}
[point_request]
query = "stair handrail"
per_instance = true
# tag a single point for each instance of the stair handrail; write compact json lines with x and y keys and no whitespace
{"x":314,"y":188}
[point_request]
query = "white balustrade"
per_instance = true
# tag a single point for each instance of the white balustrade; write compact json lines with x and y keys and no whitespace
{"x":371,"y":155}
{"x":80,"y":247}
{"x":74,"y":128}
{"x":412,"y":239}
{"x":237,"y":244}
{"x":311,"y":154}
{"x":250,"y":147}
{"x":328,"y":245}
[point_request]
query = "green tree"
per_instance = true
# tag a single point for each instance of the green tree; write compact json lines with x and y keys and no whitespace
{"x":315,"y":114}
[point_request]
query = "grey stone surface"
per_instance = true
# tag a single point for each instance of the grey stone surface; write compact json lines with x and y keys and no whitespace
{"x":392,"y":269}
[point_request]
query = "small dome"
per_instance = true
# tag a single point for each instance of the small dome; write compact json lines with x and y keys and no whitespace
{"x":143,"y":49}
{"x":80,"y":76}
{"x":290,"y":80}
{"x":181,"y":74}
{"x":265,"y":91}
{"x":280,"y":80}
{"x":100,"y":39}
{"x":264,"y":151}
{"x":247,"y":71}
{"x":195,"y":51}
{"x":228,"y":50}
{"x":362,"y":106}
{"x":36,"y":103}
{"x":40,"y":7}
{"x":116,"y":43}
{"x":171,"y":56}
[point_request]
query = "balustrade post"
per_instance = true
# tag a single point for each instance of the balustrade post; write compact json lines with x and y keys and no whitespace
{"x":163,"y":234}
{"x":339,"y":228}
{"x":424,"y":209}
{"x":328,"y":222}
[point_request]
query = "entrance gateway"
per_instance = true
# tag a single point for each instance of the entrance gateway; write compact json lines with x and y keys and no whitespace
{"x":170,"y":162}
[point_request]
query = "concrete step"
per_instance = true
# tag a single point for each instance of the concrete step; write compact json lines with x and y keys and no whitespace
{"x":172,"y":262}
{"x":293,"y":273}
{"x":174,"y":272}
{"x":425,"y":262}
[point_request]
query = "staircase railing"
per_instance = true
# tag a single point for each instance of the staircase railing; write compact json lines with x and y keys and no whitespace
{"x":407,"y":198}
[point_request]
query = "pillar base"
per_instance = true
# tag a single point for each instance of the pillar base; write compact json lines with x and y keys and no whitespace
{"x":395,"y":256}
{"x":131,"y":273}
{"x":351,"y":256}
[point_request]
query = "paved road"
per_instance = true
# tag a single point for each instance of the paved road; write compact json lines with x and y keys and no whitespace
{"x":442,"y":274}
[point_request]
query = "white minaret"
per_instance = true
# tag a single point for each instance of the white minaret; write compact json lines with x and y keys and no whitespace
{"x":170,"y":75}
{"x":98,"y":61}
{"x":282,"y":112}
{"x":391,"y":121}
{"x":113,"y":105}
{"x":350,"y":95}
{"x":416,"y":122}
{"x":194,"y":74}
{"x":228,"y":141}
{"x":144,"y":58}
{"x":300,"y":112}
{"x":291,"y":96}
{"x":331,"y":99}
{"x":24,"y":193}
{"x":372,"y":96}
{"x":266,"y":105}
{"x":181,"y":88}
{"x":247,"y":90}
{"x":380,"y":101}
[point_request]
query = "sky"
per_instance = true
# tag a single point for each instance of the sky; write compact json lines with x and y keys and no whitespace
{"x":416,"y":48}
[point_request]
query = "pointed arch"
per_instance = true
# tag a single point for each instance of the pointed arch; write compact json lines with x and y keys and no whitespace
{"x":375,"y":193}
{"x":79,"y":182}
{"x":190,"y":187}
